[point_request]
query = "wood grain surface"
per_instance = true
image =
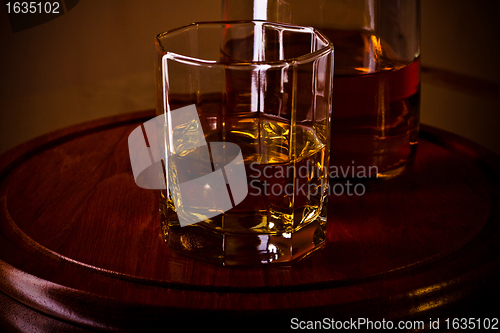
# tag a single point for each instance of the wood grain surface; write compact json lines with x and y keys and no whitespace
{"x":80,"y":243}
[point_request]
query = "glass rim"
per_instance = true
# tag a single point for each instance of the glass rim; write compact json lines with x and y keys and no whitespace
{"x":305,"y":58}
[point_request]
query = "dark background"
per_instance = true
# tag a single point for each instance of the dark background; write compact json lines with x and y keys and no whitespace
{"x":97,"y":60}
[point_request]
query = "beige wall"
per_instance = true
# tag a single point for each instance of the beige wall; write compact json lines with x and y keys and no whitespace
{"x":462,"y":37}
{"x":97,"y":60}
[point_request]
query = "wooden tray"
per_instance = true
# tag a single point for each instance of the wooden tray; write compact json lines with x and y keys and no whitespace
{"x":80,"y":242}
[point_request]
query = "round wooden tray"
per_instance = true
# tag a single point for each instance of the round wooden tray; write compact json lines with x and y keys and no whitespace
{"x":81,"y":243}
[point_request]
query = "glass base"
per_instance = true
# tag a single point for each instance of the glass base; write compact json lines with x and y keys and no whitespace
{"x":389,"y":172}
{"x":230,"y":249}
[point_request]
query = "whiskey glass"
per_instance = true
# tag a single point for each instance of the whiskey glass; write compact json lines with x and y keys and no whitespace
{"x":266,"y":89}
